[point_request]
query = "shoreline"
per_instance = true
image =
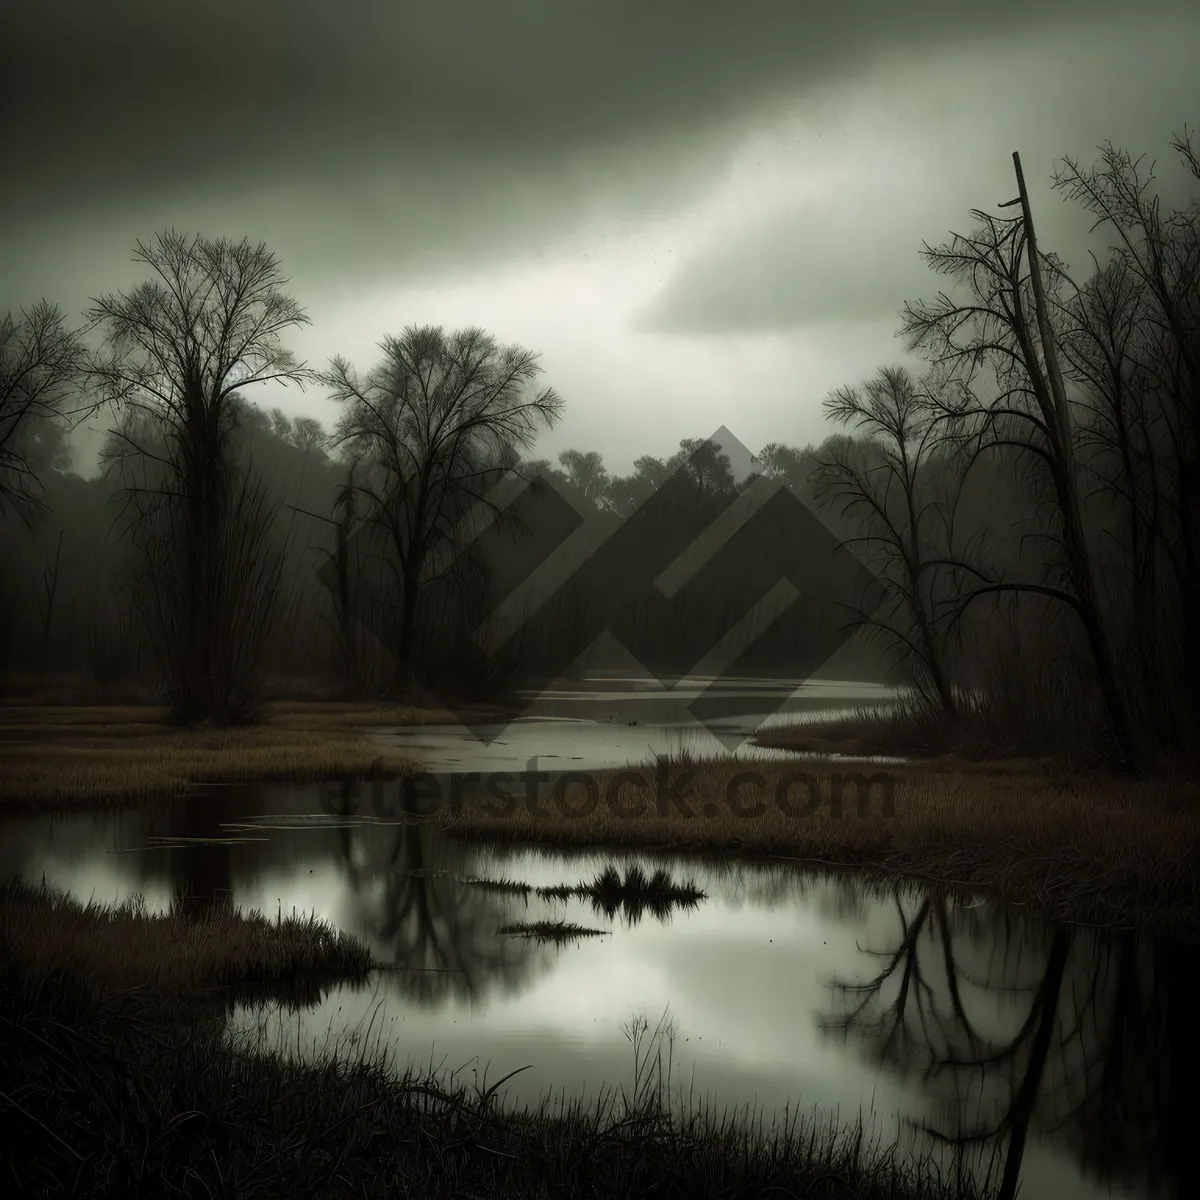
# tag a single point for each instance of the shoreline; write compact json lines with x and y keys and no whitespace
{"x":79,"y":758}
{"x":115,"y":1031}
{"x":1065,"y":846}
{"x":1074,"y":846}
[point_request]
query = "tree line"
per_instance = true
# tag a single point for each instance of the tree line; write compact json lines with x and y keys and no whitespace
{"x":1026,"y":500}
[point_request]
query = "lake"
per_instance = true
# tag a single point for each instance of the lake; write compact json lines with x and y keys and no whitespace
{"x":779,"y":990}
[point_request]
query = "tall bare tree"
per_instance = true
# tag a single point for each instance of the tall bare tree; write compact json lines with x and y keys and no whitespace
{"x":436,"y":421}
{"x":992,"y":327}
{"x":177,"y":348}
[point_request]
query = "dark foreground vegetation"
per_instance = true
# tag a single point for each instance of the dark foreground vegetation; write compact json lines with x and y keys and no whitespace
{"x":111,"y":1090}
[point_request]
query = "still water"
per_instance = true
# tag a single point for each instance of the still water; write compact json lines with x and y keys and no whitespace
{"x":777,"y":990}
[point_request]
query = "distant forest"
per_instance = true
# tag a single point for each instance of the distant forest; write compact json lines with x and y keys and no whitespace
{"x":1026,"y":502}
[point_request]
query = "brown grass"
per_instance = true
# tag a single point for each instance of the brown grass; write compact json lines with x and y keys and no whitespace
{"x":857,"y":734}
{"x":116,"y":948}
{"x":59,"y":758}
{"x":905,"y":728}
{"x":279,"y":695}
{"x":32,"y":720}
{"x":1075,"y":847}
{"x":293,"y":714}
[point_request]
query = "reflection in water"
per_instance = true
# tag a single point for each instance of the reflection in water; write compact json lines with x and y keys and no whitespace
{"x":408,"y":901}
{"x":1024,"y":1033}
{"x":632,"y":896}
{"x":201,"y":868}
{"x":1057,"y":1057}
{"x":639,"y":893}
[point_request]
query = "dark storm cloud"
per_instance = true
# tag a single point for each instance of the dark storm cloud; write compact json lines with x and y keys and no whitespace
{"x":923,"y":148}
{"x":368,"y":136}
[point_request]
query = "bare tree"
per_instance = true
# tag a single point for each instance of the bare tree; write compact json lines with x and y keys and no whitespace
{"x":994,"y":326}
{"x":1134,"y":346}
{"x":887,"y":483}
{"x":177,"y":350}
{"x":306,"y":434}
{"x":438,"y":420}
{"x":40,"y":366}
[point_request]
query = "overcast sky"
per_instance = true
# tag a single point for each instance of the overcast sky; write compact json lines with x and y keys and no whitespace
{"x":699,"y":212}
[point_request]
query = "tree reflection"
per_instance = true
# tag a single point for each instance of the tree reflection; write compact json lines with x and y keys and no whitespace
{"x":411,"y":902}
{"x":1024,"y":1031}
{"x":201,"y":868}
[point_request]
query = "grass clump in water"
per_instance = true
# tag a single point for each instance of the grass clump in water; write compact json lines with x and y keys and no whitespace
{"x":552,"y":931}
{"x":656,"y":893}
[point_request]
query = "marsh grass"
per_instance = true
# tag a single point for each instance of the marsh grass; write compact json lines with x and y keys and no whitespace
{"x":57,"y":758}
{"x":1074,"y":846}
{"x":100,"y":1100}
{"x":1048,"y":716}
{"x":609,"y":892}
{"x":889,"y":730}
{"x":347,"y":714}
{"x":610,"y":888}
{"x":32,"y":720}
{"x":76,"y":689}
{"x":909,"y":727}
{"x":99,"y":772}
{"x":122,"y":947}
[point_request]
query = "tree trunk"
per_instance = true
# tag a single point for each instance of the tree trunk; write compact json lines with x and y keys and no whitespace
{"x":1024,"y":1102}
{"x":1067,"y":495}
